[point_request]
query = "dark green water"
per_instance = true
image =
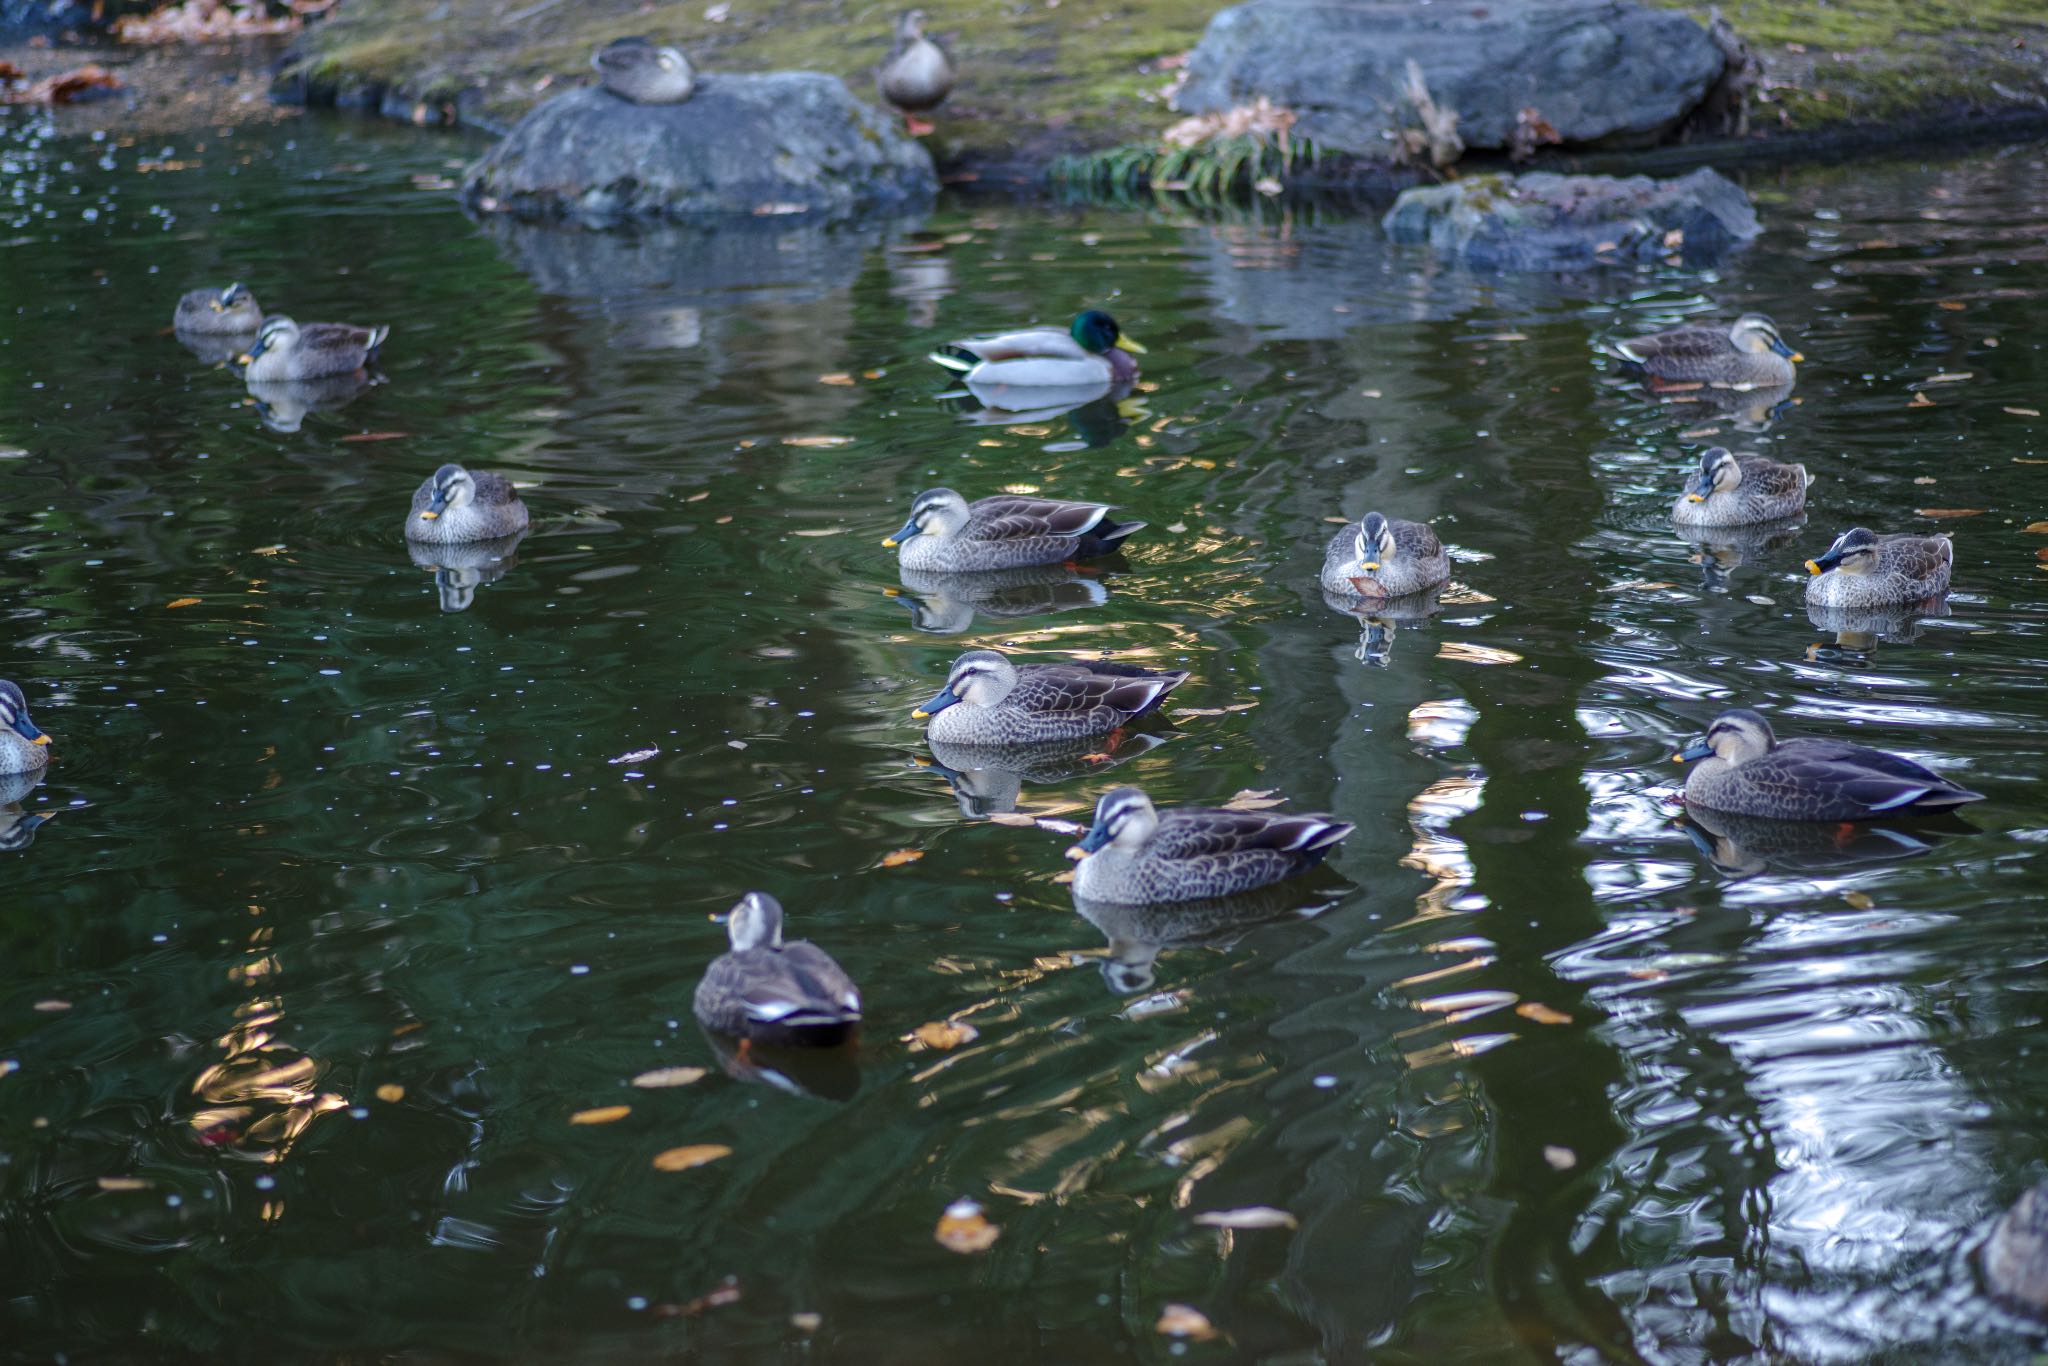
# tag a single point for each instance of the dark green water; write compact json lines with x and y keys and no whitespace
{"x":317,"y":839}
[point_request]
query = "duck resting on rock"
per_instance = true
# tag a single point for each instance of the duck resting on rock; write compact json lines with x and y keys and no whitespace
{"x":639,"y":72}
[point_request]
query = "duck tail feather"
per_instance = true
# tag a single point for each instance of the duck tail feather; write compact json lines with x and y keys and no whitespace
{"x":955,"y":358}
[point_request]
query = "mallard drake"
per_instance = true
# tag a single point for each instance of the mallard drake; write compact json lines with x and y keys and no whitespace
{"x":1137,"y":854}
{"x":946,"y":534}
{"x":23,"y":748}
{"x":456,"y":504}
{"x":1093,"y":350}
{"x":286,"y":350}
{"x":1748,"y":355}
{"x":635,"y":69}
{"x":767,"y":990}
{"x":1382,"y":557}
{"x":917,"y":75}
{"x":988,"y":700}
{"x":2015,"y":1256}
{"x":1863,"y":569}
{"x":1738,"y":490}
{"x":1741,"y":766}
{"x":219,"y":312}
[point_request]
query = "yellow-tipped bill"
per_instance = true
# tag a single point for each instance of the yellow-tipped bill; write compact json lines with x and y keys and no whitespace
{"x":1370,"y":565}
{"x":1130,"y":343}
{"x":1796,"y":357}
{"x":1678,"y":758}
{"x":890,"y":543}
{"x":1076,"y":852}
{"x":40,"y":740}
{"x":1812,"y":568}
{"x":245,"y":359}
{"x":429,"y":515}
{"x":1695,"y":497}
{"x":920,"y":714}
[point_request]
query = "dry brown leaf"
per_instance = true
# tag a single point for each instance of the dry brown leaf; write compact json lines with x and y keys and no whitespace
{"x":896,"y":858}
{"x":376,"y":436}
{"x":1012,"y":818}
{"x":838,"y":378}
{"x":1951,"y":305}
{"x":1860,"y":900}
{"x":1562,"y":1159}
{"x":603,"y":1114}
{"x":817,"y":440}
{"x":964,"y":1228}
{"x":1951,"y":377}
{"x":123,"y":1183}
{"x":1468,"y":653}
{"x":62,"y":88}
{"x":1251,"y":1216}
{"x":806,"y":1321}
{"x":1920,"y":400}
{"x":1948,"y":512}
{"x":668,"y":1076}
{"x":688,"y":1156}
{"x":2037,"y":528}
{"x":943,"y":1034}
{"x":391,"y":1093}
{"x":1542,"y":1014}
{"x":52,"y":1006}
{"x":1184,"y":1321}
{"x":182,"y":602}
{"x":2024,"y":412}
{"x":1254,"y":799}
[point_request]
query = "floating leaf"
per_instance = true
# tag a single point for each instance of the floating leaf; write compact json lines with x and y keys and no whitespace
{"x":1920,"y":400}
{"x":729,"y":1293}
{"x":943,"y":1034}
{"x":1951,"y":305}
{"x":603,"y":1114}
{"x":391,"y":1093}
{"x":2037,"y":528}
{"x":964,"y":1228}
{"x":1184,"y":1321}
{"x":1012,"y":818}
{"x":1254,"y":799}
{"x":668,"y":1076}
{"x":896,"y":858}
{"x":1948,"y":512}
{"x":50,"y":1007}
{"x":1860,"y":900}
{"x":268,"y":550}
{"x":1636,"y":586}
{"x":182,"y":602}
{"x":1699,"y":433}
{"x":1506,"y":337}
{"x":817,"y":440}
{"x":376,"y":436}
{"x":838,"y":378}
{"x":123,"y":1183}
{"x":1950,"y":377}
{"x":820,"y":531}
{"x":688,"y":1156}
{"x":1563,"y":1159}
{"x":1475,"y":654}
{"x":634,"y":756}
{"x":806,"y":1322}
{"x":2024,"y":412}
{"x":1252,"y":1216}
{"x":1542,"y":1014}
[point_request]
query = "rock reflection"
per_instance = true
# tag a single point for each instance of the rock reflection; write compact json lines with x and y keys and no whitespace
{"x":822,"y":1073}
{"x":1723,"y":549}
{"x":285,"y":404}
{"x":946,"y":604}
{"x":1746,"y":846}
{"x":1859,"y":630}
{"x":1379,"y":618}
{"x":18,"y":826}
{"x":1137,"y":935}
{"x":988,"y":779}
{"x":460,"y":569}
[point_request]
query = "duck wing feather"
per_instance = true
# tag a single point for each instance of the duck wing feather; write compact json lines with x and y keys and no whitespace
{"x":1684,"y":344}
{"x":1869,"y":779}
{"x":1769,"y":478}
{"x":1204,"y":832}
{"x":1065,"y":688}
{"x":1007,"y":518}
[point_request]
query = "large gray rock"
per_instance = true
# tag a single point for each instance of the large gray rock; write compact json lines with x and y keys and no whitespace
{"x":1543,"y":221}
{"x":783,"y":143}
{"x":1602,"y":72}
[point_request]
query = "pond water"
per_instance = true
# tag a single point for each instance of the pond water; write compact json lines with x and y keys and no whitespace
{"x":338,"y":905}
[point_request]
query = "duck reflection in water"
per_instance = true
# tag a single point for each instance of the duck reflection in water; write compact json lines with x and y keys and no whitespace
{"x":285,"y":404}
{"x":1138,"y":934}
{"x":1379,"y":618}
{"x":462,"y":568}
{"x":1859,"y":630}
{"x":1097,"y":413}
{"x":823,"y":1073}
{"x":1747,"y":846}
{"x":1720,"y":550}
{"x":989,"y":779}
{"x":946,"y":604}
{"x":18,"y":826}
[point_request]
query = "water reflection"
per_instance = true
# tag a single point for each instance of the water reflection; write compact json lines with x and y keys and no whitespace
{"x":1720,"y":550}
{"x":822,"y":1073}
{"x":1097,"y":414}
{"x":285,"y":404}
{"x":1742,"y":410}
{"x":947,"y":604}
{"x":18,"y":826}
{"x":988,"y":779}
{"x":1859,"y":630}
{"x":1379,"y":618}
{"x":460,"y":568}
{"x":1746,"y":846}
{"x":1137,"y":935}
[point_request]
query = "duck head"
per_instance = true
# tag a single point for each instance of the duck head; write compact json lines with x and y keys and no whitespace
{"x":754,"y":922}
{"x":980,"y":678}
{"x":1854,"y":552}
{"x":238,"y":305}
{"x":453,"y":488}
{"x":1094,"y":330}
{"x":1753,"y":332}
{"x":278,"y":331}
{"x":909,"y":26}
{"x":1375,"y":543}
{"x":14,"y":714}
{"x":1734,"y":737}
{"x":937,"y":512}
{"x":1719,"y":472}
{"x":1125,"y":817}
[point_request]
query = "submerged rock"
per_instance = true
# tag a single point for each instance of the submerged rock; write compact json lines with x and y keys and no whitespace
{"x":2015,"y":1257}
{"x":780,"y":144}
{"x":1600,"y":72}
{"x":1544,"y":221}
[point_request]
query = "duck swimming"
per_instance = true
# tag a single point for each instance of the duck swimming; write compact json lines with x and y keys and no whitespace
{"x":1863,"y":570}
{"x":946,"y":534}
{"x":1739,"y":490}
{"x":918,"y":74}
{"x":23,"y":747}
{"x":1382,"y":557}
{"x":288,"y":350}
{"x":1747,"y":355}
{"x":219,"y":312}
{"x":766,"y":990}
{"x":1136,"y":854}
{"x":1092,"y":351}
{"x":988,"y":700}
{"x":638,"y":71}
{"x":1742,"y":767}
{"x":456,"y":504}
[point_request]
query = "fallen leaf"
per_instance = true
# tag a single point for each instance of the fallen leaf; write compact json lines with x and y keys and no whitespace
{"x":1542,"y":1014}
{"x":688,"y":1156}
{"x":1951,"y":305}
{"x":1925,"y":479}
{"x":2037,"y":528}
{"x":268,"y":550}
{"x":1012,"y":818}
{"x":1252,"y":1216}
{"x":603,"y":1114}
{"x":1860,"y":900}
{"x":1636,"y":586}
{"x":1506,"y":336}
{"x":1254,"y":799}
{"x":391,"y":1093}
{"x":942,"y":1034}
{"x":1475,"y":654}
{"x":1950,"y":377}
{"x":806,"y":1322}
{"x":820,"y":531}
{"x":817,"y":440}
{"x":52,"y":1006}
{"x":896,"y":858}
{"x":839,"y":378}
{"x":123,"y":1183}
{"x":1184,"y":1321}
{"x":729,"y":1293}
{"x":376,"y":436}
{"x":1948,"y":512}
{"x":182,"y":602}
{"x":1195,"y":711}
{"x":634,"y":756}
{"x":1563,"y":1159}
{"x":668,"y":1076}
{"x":964,"y":1228}
{"x":2024,"y":412}
{"x":62,"y":88}
{"x":1920,"y":400}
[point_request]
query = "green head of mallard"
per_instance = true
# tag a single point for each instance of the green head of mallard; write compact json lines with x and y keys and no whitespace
{"x":1093,"y":330}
